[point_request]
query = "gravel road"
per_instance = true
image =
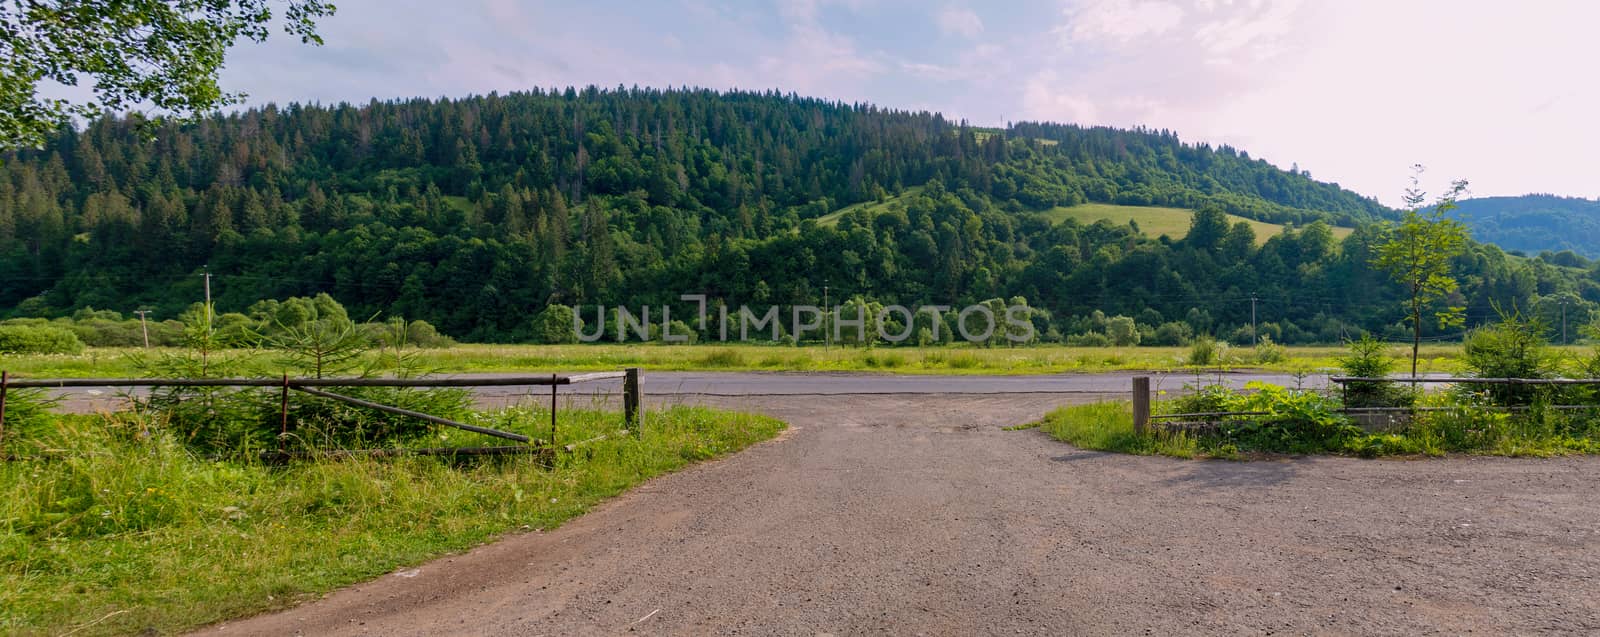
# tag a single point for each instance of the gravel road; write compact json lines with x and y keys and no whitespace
{"x":908,"y":514}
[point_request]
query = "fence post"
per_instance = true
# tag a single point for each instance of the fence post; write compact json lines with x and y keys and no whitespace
{"x":1141,"y":403}
{"x":630,"y":401}
{"x":5,"y":380}
{"x":283,"y":413}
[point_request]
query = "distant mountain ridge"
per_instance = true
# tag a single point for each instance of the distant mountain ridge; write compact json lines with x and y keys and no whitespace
{"x":1534,"y":223}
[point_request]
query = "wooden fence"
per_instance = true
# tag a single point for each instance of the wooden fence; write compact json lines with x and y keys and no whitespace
{"x":632,"y":400}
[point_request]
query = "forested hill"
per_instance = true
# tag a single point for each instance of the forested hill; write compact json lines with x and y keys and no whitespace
{"x":1535,"y":223}
{"x":475,"y":213}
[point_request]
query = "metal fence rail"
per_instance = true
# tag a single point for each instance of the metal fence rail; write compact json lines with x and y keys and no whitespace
{"x":632,"y":397}
{"x":1465,"y":381}
{"x":1142,"y":416}
{"x":508,"y":381}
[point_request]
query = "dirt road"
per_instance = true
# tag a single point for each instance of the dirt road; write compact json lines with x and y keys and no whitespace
{"x":905,"y":514}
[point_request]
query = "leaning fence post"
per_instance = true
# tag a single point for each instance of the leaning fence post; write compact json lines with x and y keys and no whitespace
{"x":630,"y":401}
{"x":1141,"y":403}
{"x":283,"y":413}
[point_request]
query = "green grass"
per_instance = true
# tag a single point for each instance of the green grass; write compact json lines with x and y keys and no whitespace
{"x":1153,"y":220}
{"x":871,"y":207}
{"x":957,"y":359}
{"x":1156,"y":221}
{"x":1108,"y":426}
{"x":138,"y":534}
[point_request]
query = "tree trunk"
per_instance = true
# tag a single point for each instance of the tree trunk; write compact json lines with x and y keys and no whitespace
{"x":1416,"y":340}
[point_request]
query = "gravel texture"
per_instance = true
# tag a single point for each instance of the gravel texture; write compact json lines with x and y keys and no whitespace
{"x":904,"y":514}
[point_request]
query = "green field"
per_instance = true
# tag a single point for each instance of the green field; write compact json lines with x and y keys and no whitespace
{"x":1156,"y":221}
{"x":872,"y":207}
{"x":105,"y":362}
{"x":1153,"y":220}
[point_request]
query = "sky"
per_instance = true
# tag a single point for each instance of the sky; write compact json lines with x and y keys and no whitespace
{"x":1502,"y":94}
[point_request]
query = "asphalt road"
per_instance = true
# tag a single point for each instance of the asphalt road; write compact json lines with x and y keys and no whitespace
{"x":756,"y":384}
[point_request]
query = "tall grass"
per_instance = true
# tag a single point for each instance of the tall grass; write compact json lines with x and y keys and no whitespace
{"x":1108,"y":426}
{"x":111,"y":517}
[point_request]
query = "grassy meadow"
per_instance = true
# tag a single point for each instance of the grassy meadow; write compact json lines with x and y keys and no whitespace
{"x":1153,"y":220}
{"x":1156,"y":221}
{"x":109,"y":525}
{"x":98,"y":362}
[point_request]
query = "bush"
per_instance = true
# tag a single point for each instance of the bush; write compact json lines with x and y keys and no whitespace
{"x":680,"y":328}
{"x":1513,"y":348}
{"x":554,"y":325}
{"x":1173,"y":333}
{"x":1122,"y":330}
{"x":1268,"y":352}
{"x":423,"y":334}
{"x":101,"y":332}
{"x":1296,"y":421}
{"x":1088,"y":339}
{"x":28,"y":339}
{"x":1369,"y":358}
{"x":1205,"y":351}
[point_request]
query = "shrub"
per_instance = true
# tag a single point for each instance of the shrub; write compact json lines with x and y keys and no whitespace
{"x":27,"y":411}
{"x":1293,"y":420}
{"x":238,"y":422}
{"x":1515,"y":347}
{"x":1296,"y":421}
{"x":1088,"y":339}
{"x":1268,"y":352}
{"x":423,"y":334}
{"x":29,"y":339}
{"x":1201,"y":399}
{"x":1172,"y":333}
{"x":1122,"y":330}
{"x":680,"y":328}
{"x":1369,"y":358}
{"x":554,"y":325}
{"x":1206,"y":351}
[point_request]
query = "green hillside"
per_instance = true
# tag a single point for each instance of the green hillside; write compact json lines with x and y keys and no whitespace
{"x":1534,"y":223}
{"x":1156,"y":221}
{"x":1153,"y":221}
{"x":872,"y":208}
{"x":477,"y":214}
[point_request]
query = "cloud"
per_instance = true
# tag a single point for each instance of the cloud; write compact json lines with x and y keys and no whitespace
{"x":1355,"y":91}
{"x":1120,"y":21}
{"x":959,"y":21}
{"x":1048,"y":98}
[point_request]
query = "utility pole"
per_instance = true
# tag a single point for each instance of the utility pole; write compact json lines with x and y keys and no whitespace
{"x":827,"y":325}
{"x":205,"y":352}
{"x":142,"y":328}
{"x":1564,"y":321}
{"x":1254,"y":340}
{"x":207,"y":274}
